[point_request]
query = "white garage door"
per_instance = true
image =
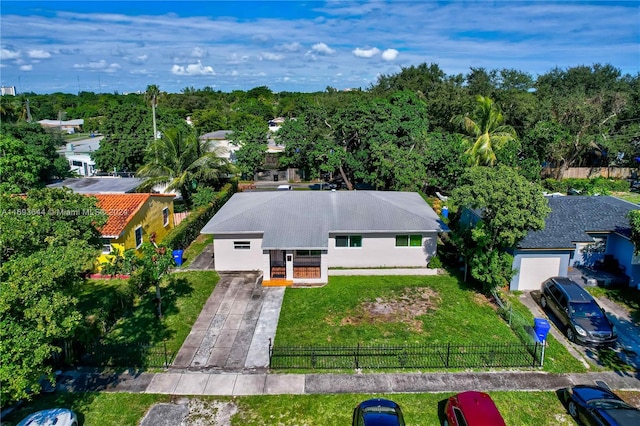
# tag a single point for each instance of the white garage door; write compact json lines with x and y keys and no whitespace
{"x":534,"y":270}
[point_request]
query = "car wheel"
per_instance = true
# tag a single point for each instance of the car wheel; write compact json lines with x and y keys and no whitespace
{"x":543,"y":302}
{"x":573,"y":409}
{"x":571,"y":335}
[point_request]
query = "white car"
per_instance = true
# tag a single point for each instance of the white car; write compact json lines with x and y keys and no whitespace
{"x":53,"y":416}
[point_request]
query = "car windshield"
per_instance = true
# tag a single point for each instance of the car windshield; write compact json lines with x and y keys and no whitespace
{"x":380,"y":409}
{"x":585,"y":310}
{"x":608,"y":404}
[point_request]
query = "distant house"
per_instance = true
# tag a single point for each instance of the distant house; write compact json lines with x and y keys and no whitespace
{"x":579,"y":231}
{"x":68,"y":126}
{"x":296,"y":236}
{"x":221,"y":138}
{"x":100,"y":185}
{"x":132,"y":220}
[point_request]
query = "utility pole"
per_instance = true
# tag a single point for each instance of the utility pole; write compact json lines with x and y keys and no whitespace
{"x":28,"y":112}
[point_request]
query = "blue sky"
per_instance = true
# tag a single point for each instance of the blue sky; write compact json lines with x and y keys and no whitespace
{"x":123,"y":46}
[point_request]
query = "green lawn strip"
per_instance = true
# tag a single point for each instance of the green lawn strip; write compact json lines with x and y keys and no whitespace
{"x":123,"y":409}
{"x":195,"y":248}
{"x":556,"y":357}
{"x":632,"y":197}
{"x":182,"y":300}
{"x":94,"y":408}
{"x":337,"y":314}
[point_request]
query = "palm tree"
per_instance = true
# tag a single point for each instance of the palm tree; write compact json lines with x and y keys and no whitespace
{"x":151,"y":95}
{"x":487,"y":128}
{"x":179,"y":159}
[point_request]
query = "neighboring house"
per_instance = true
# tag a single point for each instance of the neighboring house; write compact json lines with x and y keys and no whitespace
{"x":132,"y":220}
{"x":69,"y":126}
{"x":81,"y":164}
{"x":99,"y":185}
{"x":579,"y":231}
{"x":297,"y":236}
{"x":221,"y":139}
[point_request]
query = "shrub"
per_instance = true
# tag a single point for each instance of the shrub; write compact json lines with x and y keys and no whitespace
{"x":435,"y":263}
{"x":182,"y":235}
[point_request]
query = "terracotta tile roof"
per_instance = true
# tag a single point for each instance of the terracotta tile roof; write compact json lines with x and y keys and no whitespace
{"x":120,"y":209}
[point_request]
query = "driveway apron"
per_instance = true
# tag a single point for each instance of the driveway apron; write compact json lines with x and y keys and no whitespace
{"x":233,"y":330}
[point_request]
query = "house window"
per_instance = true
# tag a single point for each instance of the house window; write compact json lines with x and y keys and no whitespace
{"x":348,"y":240}
{"x":138,"y":236}
{"x":165,"y":216}
{"x":408,"y":240}
{"x":307,"y":253}
{"x":242,"y":245}
{"x":106,"y":248}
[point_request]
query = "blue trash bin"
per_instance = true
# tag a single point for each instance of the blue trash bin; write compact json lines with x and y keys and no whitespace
{"x":177,"y":257}
{"x":445,"y":212}
{"x":541,"y":328}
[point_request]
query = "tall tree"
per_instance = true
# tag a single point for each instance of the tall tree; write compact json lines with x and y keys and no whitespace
{"x":509,"y":206}
{"x":486,"y":127}
{"x":151,"y":96}
{"x":182,"y":162}
{"x":47,"y":240}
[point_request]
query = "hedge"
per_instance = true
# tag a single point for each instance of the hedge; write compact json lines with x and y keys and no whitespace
{"x":189,"y":229}
{"x":599,"y":185}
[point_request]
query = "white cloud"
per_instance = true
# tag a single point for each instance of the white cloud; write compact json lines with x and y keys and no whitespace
{"x":289,"y":47}
{"x":9,"y":54}
{"x":38,"y":54}
{"x":198,"y":52}
{"x":366,"y":53}
{"x":322,"y":48}
{"x":390,"y":54}
{"x":100,"y":65}
{"x":235,"y":73}
{"x":271,"y":56}
{"x":192,"y":69}
{"x":26,"y":68}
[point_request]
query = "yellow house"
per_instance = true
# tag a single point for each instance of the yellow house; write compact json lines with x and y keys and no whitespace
{"x":132,"y":220}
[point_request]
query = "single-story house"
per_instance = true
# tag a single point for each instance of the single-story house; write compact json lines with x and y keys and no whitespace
{"x":296,"y":236}
{"x":579,"y":231}
{"x":132,"y":220}
{"x":220,"y":138}
{"x":69,"y":126}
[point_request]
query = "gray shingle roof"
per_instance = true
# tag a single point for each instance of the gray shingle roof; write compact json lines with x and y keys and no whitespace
{"x":572,"y":217}
{"x":304,"y":219}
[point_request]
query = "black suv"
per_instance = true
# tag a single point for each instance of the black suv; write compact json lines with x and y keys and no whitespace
{"x":582,"y":318}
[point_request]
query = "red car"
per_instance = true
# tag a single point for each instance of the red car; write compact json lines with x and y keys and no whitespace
{"x":472,"y":409}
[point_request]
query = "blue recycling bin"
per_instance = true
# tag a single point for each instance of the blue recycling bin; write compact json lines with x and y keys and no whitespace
{"x":445,"y":212}
{"x":177,"y":257}
{"x":541,"y":328}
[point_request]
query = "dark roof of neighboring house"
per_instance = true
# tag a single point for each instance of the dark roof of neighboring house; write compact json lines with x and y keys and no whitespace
{"x":304,"y":219}
{"x":572,"y":217}
{"x":99,"y":185}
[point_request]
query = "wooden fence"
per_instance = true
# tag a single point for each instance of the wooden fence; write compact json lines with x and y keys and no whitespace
{"x":588,"y":172}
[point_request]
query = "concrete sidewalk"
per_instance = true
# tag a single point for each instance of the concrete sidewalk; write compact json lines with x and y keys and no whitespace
{"x":262,"y":383}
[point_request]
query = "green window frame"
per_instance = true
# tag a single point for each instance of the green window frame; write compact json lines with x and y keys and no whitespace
{"x":405,"y":240}
{"x":350,"y":241}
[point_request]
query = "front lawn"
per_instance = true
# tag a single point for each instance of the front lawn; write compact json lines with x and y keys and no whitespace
{"x":182,"y":300}
{"x":195,"y":248}
{"x":389,"y":310}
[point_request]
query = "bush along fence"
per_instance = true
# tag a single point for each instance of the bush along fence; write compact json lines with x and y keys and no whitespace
{"x":436,"y":356}
{"x":118,"y":355}
{"x":187,"y":231}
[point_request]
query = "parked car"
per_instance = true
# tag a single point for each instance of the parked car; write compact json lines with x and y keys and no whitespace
{"x":472,"y":408}
{"x":53,"y":416}
{"x":583,"y":320}
{"x":594,"y":405}
{"x":377,"y":412}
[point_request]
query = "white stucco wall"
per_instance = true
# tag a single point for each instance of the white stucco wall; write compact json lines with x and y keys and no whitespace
{"x":226,"y":258}
{"x":379,"y":250}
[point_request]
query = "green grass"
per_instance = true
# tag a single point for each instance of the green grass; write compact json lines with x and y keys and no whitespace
{"x":195,"y":248}
{"x":556,"y":357}
{"x":336,"y":313}
{"x":182,"y":301}
{"x":123,"y":409}
{"x":632,"y":197}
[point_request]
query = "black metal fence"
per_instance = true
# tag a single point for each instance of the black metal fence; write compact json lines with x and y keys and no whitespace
{"x":123,"y":355}
{"x":434,"y":356}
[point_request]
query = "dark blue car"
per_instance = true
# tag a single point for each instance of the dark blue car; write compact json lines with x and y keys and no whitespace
{"x":594,"y":405}
{"x":377,"y":412}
